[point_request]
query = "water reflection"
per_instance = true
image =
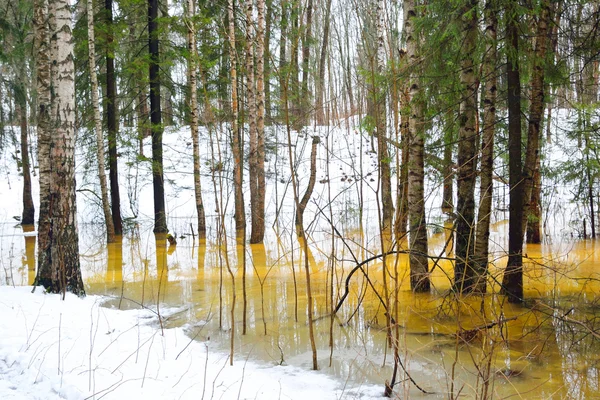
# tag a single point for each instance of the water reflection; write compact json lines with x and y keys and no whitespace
{"x":29,"y":258}
{"x":535,"y":348}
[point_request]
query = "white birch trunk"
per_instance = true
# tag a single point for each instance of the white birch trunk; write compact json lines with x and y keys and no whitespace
{"x":110,"y":228}
{"x":193,"y":104}
{"x":64,"y":240}
{"x":419,"y":266}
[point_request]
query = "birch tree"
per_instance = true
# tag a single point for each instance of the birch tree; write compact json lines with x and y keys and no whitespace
{"x":418,"y":258}
{"x":110,"y":228}
{"x":536,"y":112}
{"x":193,"y":106}
{"x":58,"y":265}
{"x":482,"y":237}
{"x":42,"y":66}
{"x":467,"y":160}
{"x":512,"y":282}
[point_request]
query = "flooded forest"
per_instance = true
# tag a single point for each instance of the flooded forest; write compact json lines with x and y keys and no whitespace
{"x":392,"y":193}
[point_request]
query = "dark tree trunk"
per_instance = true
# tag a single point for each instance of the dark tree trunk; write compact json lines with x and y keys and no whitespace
{"x":402,"y":198}
{"x":320,"y":84}
{"x":306,"y":44}
{"x":512,"y":282}
{"x":309,"y":189}
{"x":448,"y":173}
{"x":380,"y":103}
{"x":293,"y":38}
{"x":28,"y":216}
{"x":160,"y":218}
{"x":487,"y":149}
{"x":534,"y":221}
{"x":111,"y":118}
{"x":464,"y":272}
{"x":536,"y":112}
{"x":42,"y":66}
{"x":267,"y":60}
{"x":236,"y":139}
{"x":283,"y":28}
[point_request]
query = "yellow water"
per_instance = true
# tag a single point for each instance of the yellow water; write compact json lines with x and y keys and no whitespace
{"x":548,"y":344}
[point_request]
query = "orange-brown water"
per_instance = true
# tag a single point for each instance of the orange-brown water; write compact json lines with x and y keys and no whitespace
{"x":546,"y":348}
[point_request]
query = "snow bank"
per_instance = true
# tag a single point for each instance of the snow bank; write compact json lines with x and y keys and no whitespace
{"x":77,"y":349}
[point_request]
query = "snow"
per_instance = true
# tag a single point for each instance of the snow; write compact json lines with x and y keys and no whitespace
{"x":77,"y":349}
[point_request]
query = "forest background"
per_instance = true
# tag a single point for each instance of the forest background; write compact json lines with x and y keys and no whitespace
{"x":458,"y":95}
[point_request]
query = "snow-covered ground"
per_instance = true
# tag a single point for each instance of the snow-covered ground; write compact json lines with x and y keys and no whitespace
{"x":76,"y":349}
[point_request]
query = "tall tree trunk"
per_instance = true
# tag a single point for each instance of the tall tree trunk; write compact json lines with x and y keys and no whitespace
{"x":418,"y":258}
{"x":110,"y":227}
{"x":251,"y":109}
{"x":258,"y":209}
{"x":512,"y":282}
{"x":402,"y":202}
{"x":283,"y":73}
{"x":482,"y":238}
{"x":293,"y":92}
{"x":63,"y":272}
{"x":447,"y":167}
{"x":139,"y":87}
{"x":383,"y":154}
{"x":193,"y":106}
{"x":111,"y":118}
{"x":534,"y":223}
{"x":536,"y":111}
{"x":320,"y":84}
{"x":238,"y":170}
{"x":160,"y":217}
{"x":28,"y":215}
{"x":464,"y":272}
{"x":306,"y":45}
{"x":253,"y":117}
{"x":309,"y":189}
{"x":267,"y":60}
{"x":43,"y":74}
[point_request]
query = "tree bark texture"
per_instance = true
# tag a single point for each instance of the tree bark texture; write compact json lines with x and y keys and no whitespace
{"x":42,"y":65}
{"x":258,"y":208}
{"x":59,"y":270}
{"x":160,"y":217}
{"x":402,"y":202}
{"x":110,"y":227}
{"x":418,"y":258}
{"x":238,"y":170}
{"x":193,"y":106}
{"x":306,"y":45}
{"x":320,"y":84}
{"x":448,"y":166}
{"x":482,"y":237}
{"x":464,"y":273}
{"x":252,"y":100}
{"x":512,"y":282}
{"x":28,"y":215}
{"x":309,"y":189}
{"x":267,"y":59}
{"x":111,"y":118}
{"x":380,"y":95}
{"x":536,"y":111}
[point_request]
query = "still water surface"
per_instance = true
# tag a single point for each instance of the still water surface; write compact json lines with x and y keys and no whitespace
{"x":547,"y":348}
